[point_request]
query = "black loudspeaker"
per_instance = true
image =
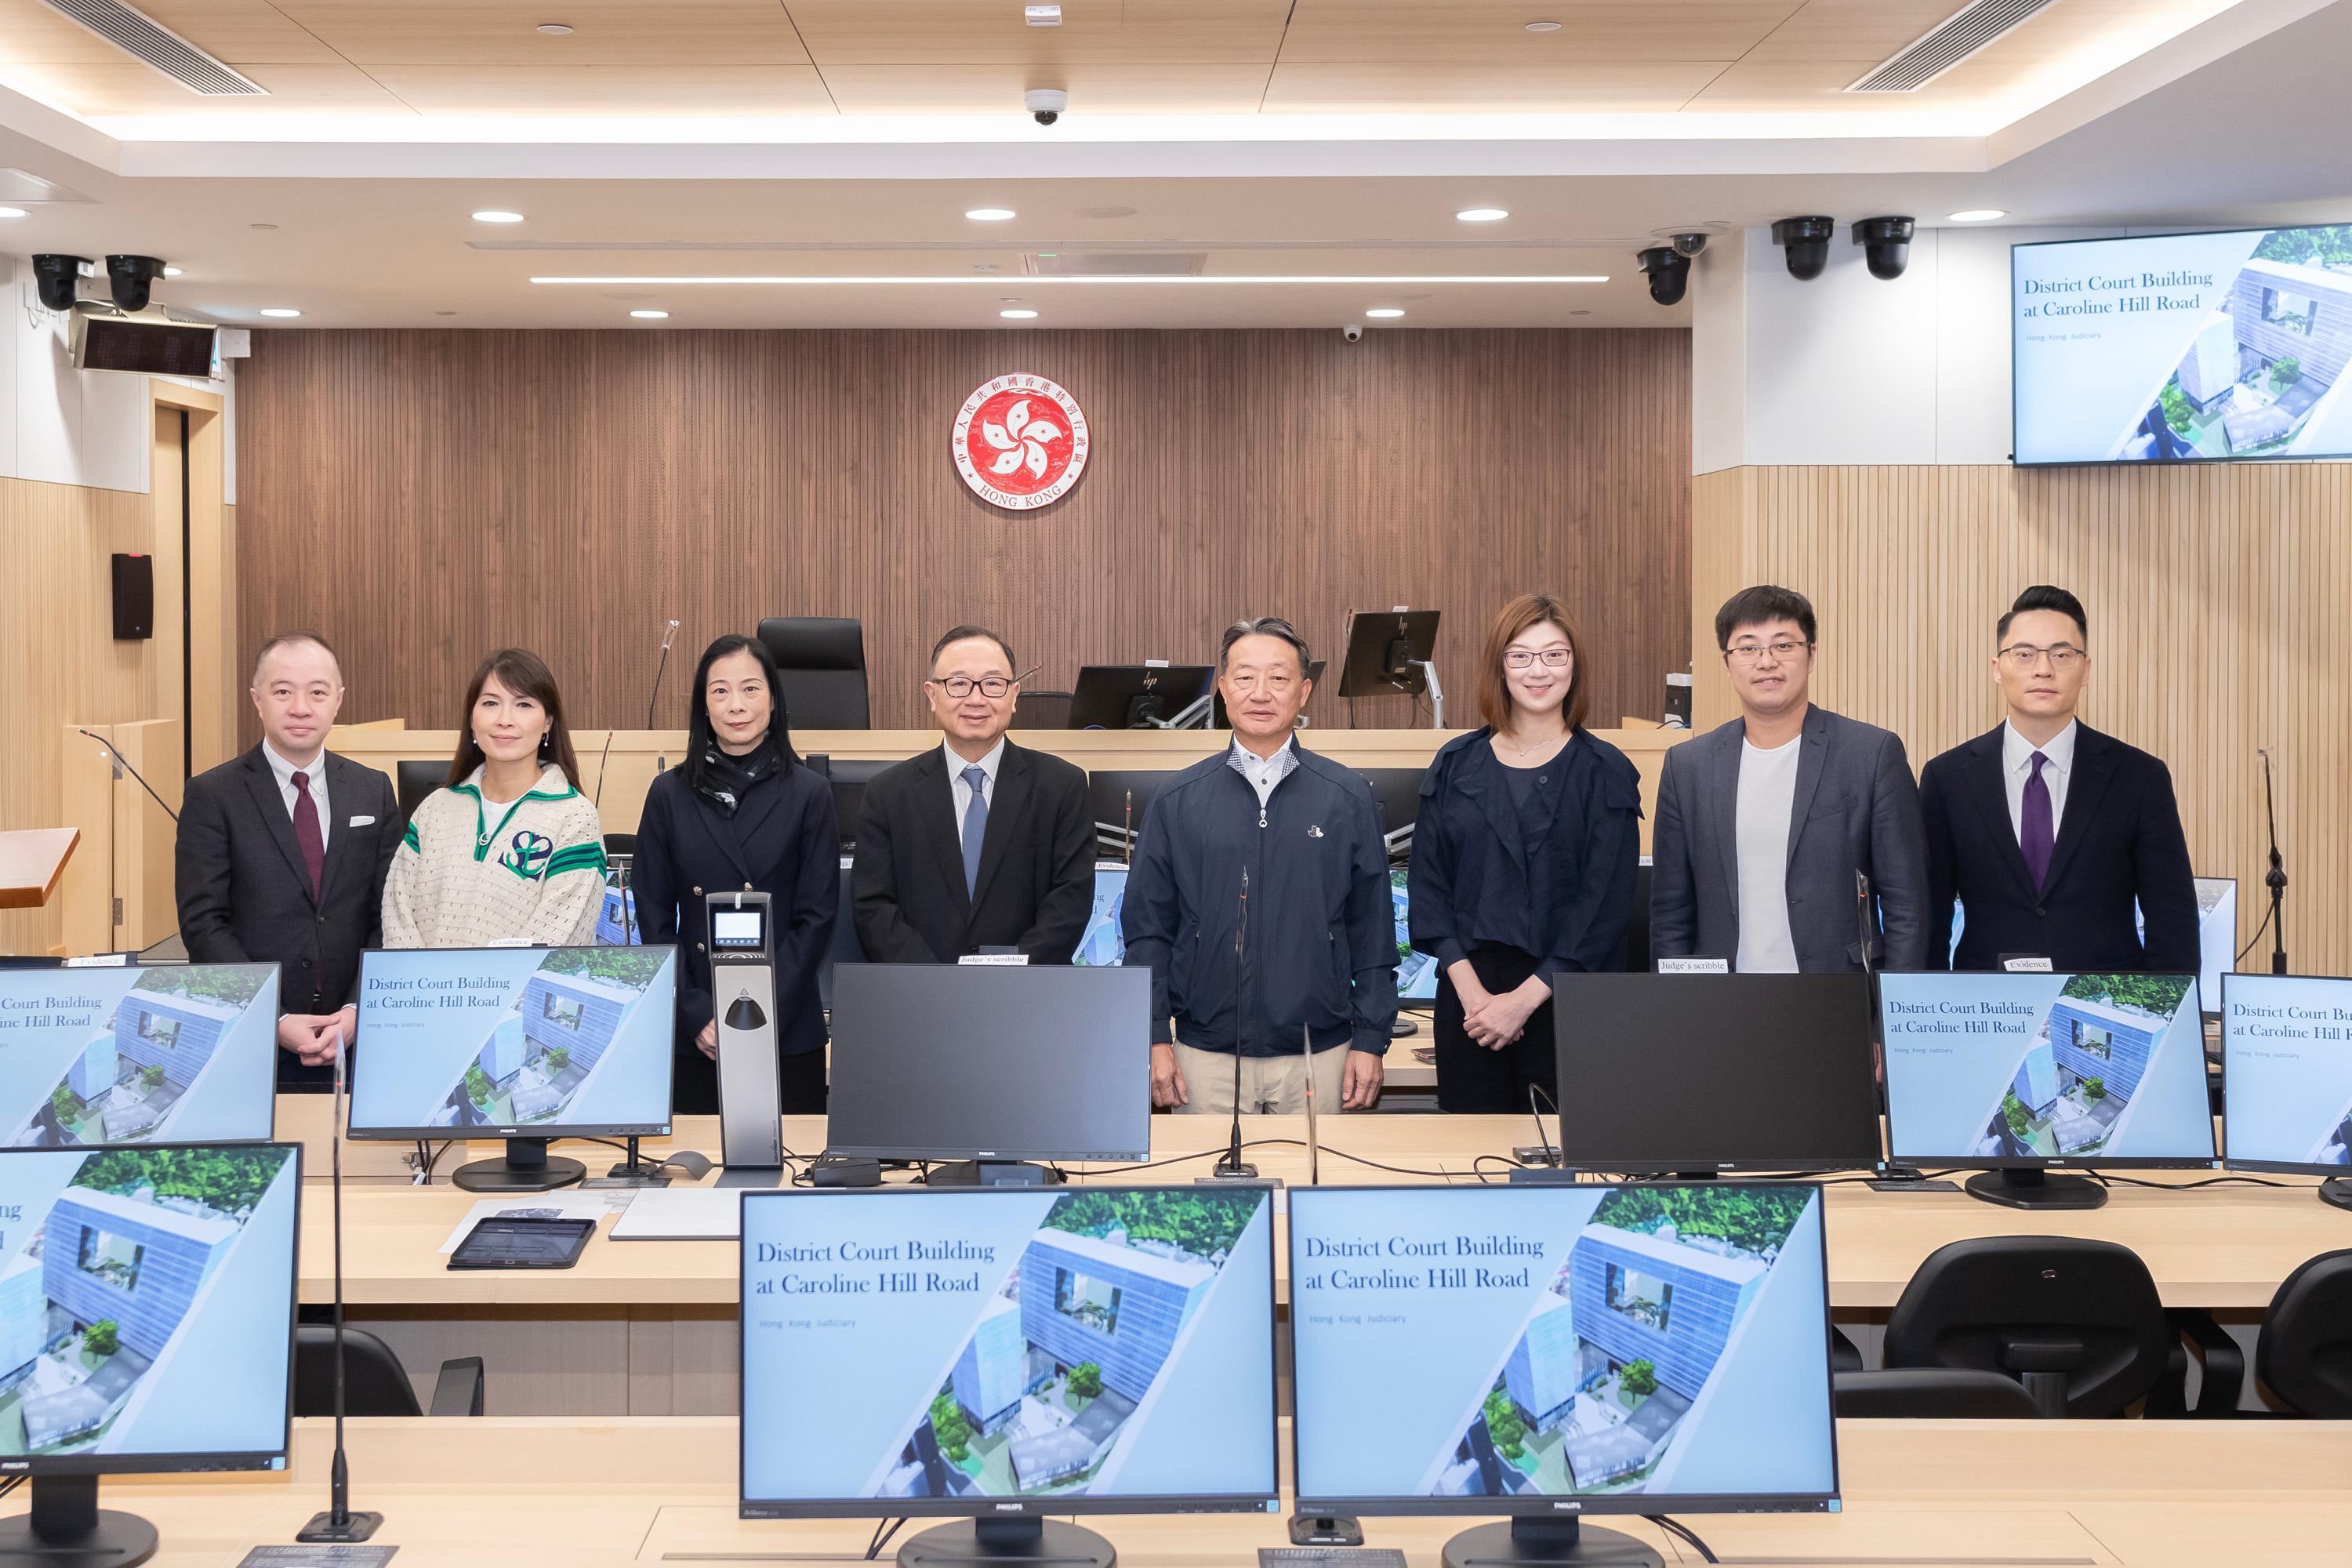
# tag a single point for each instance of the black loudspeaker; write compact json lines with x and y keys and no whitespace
{"x":134,"y":597}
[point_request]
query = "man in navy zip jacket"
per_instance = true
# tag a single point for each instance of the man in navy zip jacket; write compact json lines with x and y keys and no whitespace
{"x":1317,"y":964}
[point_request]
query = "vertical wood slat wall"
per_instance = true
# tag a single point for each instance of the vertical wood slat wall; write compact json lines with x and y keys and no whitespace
{"x":421,"y":497}
{"x":2220,"y":606}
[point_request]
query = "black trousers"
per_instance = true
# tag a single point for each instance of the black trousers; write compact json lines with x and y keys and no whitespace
{"x":1473,"y":1080}
{"x":694,"y":1083}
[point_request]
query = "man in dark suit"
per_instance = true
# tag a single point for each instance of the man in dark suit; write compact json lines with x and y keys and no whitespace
{"x":282,"y":855}
{"x":1764,"y":823}
{"x":981,"y":846}
{"x":2048,"y":831}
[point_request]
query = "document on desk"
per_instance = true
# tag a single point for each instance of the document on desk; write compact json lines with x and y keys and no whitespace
{"x":682,"y":1213}
{"x":593,"y":1206}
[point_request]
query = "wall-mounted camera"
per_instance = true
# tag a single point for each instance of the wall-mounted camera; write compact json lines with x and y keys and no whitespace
{"x":1352,"y":333}
{"x":1668,"y":268}
{"x":1045,"y":104}
{"x":1806,"y":241}
{"x":58,"y":278}
{"x":1886,"y":245}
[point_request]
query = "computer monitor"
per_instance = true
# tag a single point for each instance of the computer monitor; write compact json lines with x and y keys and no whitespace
{"x":1386,"y":650}
{"x":1001,"y":1355}
{"x":2217,"y":935}
{"x":1551,"y":1351}
{"x":1136,"y":696}
{"x":2016,"y":1075}
{"x":1104,"y":945}
{"x":2286,"y":1077}
{"x":147,"y":1310}
{"x":179,"y":1052}
{"x":1700,"y":1074}
{"x":989,"y":1065}
{"x":528,"y":1044}
{"x":616,"y":917}
{"x":1416,"y":975}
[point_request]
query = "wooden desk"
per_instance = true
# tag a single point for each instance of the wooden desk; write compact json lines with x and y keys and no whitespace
{"x":32,"y":860}
{"x":495,"y":1492}
{"x":649,"y":1327}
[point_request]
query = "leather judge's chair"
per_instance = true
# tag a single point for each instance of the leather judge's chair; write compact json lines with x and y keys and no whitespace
{"x":413,"y":781}
{"x":1043,"y":711}
{"x":375,"y":1383}
{"x":2305,"y":1353}
{"x":1932,"y":1393}
{"x":820,"y":671}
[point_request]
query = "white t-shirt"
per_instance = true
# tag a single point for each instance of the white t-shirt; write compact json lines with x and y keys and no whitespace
{"x":1768,"y":798}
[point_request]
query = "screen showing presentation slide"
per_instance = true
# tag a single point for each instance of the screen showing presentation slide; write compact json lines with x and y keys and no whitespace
{"x":949,"y":1352}
{"x":147,"y":1303}
{"x":1416,"y":972}
{"x":185,"y":1052}
{"x":514,"y":1040}
{"x":1637,"y":1347}
{"x":1102,"y":946}
{"x":2184,"y":346}
{"x":2216,"y":934}
{"x":2286,"y":1072}
{"x":2032,"y":1069}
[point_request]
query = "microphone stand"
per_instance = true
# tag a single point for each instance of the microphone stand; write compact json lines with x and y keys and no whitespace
{"x":114,"y":761}
{"x":339,"y":1525}
{"x":2276,"y":881}
{"x":1229,"y":1166}
{"x":669,"y":631}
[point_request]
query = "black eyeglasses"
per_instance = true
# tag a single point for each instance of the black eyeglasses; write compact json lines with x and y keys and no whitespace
{"x":961,"y":686}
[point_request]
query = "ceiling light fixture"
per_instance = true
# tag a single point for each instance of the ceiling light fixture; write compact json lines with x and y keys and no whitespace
{"x":171,"y":272}
{"x":1481,"y":215}
{"x":555,"y":29}
{"x":989,"y":215}
{"x":1978,"y":214}
{"x":1018,"y":315}
{"x":1543,"y":26}
{"x":14,"y":212}
{"x":650,"y":315}
{"x":281,"y":312}
{"x":1082,"y":279}
{"x":493,"y":214}
{"x":1042,"y":16}
{"x":1384,"y":312}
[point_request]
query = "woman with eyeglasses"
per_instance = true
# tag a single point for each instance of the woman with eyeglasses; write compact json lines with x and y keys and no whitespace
{"x":741,"y":812}
{"x":1523,"y":858}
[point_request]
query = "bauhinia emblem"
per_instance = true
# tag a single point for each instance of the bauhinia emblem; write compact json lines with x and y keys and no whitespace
{"x":1020,"y":442}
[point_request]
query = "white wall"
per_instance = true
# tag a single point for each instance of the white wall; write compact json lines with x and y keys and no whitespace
{"x":1849,"y":369}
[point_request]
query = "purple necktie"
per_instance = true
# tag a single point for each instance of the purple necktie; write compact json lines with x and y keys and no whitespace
{"x":2033,"y":833}
{"x":306,"y":831}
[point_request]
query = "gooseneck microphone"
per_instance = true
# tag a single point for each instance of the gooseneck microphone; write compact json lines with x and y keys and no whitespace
{"x":2276,"y":881}
{"x":113,"y":756}
{"x":339,"y":1525}
{"x":670,"y":633}
{"x":1230,"y":1167}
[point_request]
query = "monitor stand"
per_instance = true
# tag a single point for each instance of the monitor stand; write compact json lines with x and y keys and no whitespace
{"x":2337,"y":1190}
{"x":751,"y":1178}
{"x":992,"y":1174}
{"x":2035,"y":1189}
{"x":994,"y":1540}
{"x":1547,"y":1540}
{"x":525,"y":1169}
{"x":67,"y":1528}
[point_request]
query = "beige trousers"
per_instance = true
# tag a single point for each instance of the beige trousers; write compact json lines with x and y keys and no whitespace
{"x":1271,"y":1085}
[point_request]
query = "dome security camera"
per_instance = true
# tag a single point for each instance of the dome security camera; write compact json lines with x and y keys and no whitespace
{"x":1689,"y":244}
{"x":1669,"y":272}
{"x":1045,"y":104}
{"x":1352,"y":333}
{"x":1806,"y":241}
{"x":1886,"y":245}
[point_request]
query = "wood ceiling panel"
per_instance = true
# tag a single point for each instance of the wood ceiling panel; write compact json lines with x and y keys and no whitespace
{"x":234,"y":31}
{"x":504,"y":32}
{"x":124,"y":86}
{"x":1558,"y":89}
{"x":1093,"y":89}
{"x":980,"y":32}
{"x":1332,"y":31}
{"x":1810,"y":87}
{"x":644,"y":89}
{"x":1853,"y":30}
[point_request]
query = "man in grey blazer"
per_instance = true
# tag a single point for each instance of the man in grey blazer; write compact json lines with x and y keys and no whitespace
{"x":1764,"y":825}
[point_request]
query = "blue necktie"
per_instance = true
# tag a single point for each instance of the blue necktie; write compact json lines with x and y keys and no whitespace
{"x":975,"y":826}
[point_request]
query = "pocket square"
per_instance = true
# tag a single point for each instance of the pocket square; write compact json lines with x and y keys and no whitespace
{"x":360,"y":822}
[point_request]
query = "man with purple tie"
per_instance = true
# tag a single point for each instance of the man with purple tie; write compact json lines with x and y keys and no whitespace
{"x":282,"y":855}
{"x":2050,"y":833}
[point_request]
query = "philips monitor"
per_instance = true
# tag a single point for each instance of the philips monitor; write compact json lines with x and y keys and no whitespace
{"x":1553,"y":1352}
{"x":1699,"y":1074}
{"x":147,"y":1311}
{"x":1103,"y":945}
{"x":2216,"y":934}
{"x":1004,"y":1354}
{"x":2286,"y":1079}
{"x":528,"y":1044}
{"x":2183,"y":347}
{"x":990,"y":1066}
{"x":184,"y":1052}
{"x":2017,"y":1075}
{"x":1416,"y":975}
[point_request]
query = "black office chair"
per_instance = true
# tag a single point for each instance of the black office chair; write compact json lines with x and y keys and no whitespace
{"x":1043,"y":711}
{"x":820,"y":671}
{"x":850,"y":776}
{"x":2305,"y":1353}
{"x":411,"y":781}
{"x":2078,"y":1324}
{"x":1933,"y":1394}
{"x":375,"y":1383}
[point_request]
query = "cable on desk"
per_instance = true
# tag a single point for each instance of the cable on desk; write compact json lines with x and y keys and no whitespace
{"x":1394,"y":1170}
{"x":1117,"y":1170}
{"x":2183,"y":1187}
{"x":1477,"y":1166}
{"x":1676,"y":1527}
{"x":882,"y":1530}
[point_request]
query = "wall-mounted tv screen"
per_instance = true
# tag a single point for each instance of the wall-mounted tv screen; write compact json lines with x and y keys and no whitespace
{"x":2179,"y":347}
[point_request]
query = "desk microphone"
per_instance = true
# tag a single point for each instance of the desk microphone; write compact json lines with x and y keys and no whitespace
{"x":1229,"y":1167}
{"x":339,"y":1525}
{"x":115,"y":757}
{"x":2276,"y":881}
{"x":669,"y":631}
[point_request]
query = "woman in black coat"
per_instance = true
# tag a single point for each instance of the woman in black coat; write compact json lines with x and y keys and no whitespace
{"x":741,"y":812}
{"x":1523,"y":859}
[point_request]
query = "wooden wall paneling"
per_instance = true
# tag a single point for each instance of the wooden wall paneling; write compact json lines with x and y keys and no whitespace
{"x":423,"y":496}
{"x":2217,"y":599}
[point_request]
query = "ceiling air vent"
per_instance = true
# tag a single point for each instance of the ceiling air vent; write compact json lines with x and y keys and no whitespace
{"x":1965,"y":33}
{"x":159,"y":46}
{"x":1117,"y":263}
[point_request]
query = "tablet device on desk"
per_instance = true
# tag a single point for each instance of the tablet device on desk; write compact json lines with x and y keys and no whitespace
{"x":523,"y":1244}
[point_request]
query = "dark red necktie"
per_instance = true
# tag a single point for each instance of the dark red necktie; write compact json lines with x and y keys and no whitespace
{"x":306,"y":831}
